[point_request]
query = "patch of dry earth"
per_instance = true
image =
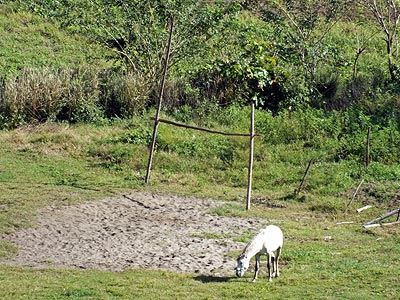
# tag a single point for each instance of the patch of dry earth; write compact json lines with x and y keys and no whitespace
{"x":138,"y":230}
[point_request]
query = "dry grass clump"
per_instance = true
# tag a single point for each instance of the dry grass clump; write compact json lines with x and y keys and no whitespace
{"x":70,"y":94}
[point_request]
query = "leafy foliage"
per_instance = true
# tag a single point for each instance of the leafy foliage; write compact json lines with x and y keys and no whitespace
{"x":138,"y":30}
{"x":282,"y":54}
{"x":257,"y":75}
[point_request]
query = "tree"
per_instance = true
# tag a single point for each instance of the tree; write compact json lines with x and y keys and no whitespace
{"x":256,"y":75}
{"x":302,"y":31}
{"x":137,"y":30}
{"x":306,"y":23}
{"x":387,"y":16}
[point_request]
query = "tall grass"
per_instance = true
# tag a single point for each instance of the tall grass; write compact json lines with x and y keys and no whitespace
{"x":48,"y":95}
{"x":70,"y":94}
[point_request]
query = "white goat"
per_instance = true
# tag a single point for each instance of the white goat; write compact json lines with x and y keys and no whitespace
{"x":265,"y":242}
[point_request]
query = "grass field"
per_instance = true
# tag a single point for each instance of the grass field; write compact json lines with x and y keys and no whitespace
{"x":57,"y":164}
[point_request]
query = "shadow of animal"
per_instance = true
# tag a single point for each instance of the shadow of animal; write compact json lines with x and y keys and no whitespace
{"x":210,"y":279}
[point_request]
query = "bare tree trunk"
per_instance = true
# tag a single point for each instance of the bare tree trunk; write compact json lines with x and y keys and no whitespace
{"x":387,"y":15}
{"x":157,"y":118}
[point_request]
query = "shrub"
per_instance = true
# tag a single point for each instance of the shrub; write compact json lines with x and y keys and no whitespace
{"x":139,"y":135}
{"x":385,"y":145}
{"x":326,"y":84}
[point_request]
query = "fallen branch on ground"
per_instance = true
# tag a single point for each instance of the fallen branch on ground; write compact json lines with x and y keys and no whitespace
{"x":387,"y":215}
{"x":346,"y":222}
{"x":354,"y":195}
{"x":363,"y":208}
{"x":383,"y":224}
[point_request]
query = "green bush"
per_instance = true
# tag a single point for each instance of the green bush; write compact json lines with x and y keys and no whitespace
{"x":200,"y":147}
{"x":385,"y":145}
{"x":139,"y":135}
{"x":382,"y":172}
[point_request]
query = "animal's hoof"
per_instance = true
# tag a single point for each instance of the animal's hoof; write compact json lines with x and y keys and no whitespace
{"x":253,"y":281}
{"x":270,"y":279}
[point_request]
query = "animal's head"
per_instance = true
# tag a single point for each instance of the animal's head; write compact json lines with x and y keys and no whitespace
{"x":242,"y":265}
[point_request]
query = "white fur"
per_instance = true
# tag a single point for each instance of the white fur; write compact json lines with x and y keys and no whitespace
{"x":267,"y":241}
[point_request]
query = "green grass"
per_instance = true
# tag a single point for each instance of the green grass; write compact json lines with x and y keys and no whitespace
{"x":30,"y":41}
{"x":56,"y":164}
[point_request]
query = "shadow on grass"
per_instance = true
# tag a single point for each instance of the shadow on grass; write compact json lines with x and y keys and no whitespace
{"x":211,"y":279}
{"x":294,"y":197}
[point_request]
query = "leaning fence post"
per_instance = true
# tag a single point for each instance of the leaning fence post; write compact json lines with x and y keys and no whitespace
{"x":304,"y":177}
{"x":251,"y":154}
{"x":157,"y":118}
{"x":354,"y":195}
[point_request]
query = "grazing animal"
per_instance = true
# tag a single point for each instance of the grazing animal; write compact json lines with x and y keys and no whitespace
{"x":267,"y":241}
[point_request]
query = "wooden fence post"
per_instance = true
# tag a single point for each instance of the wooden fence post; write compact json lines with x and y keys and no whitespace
{"x":161,"y":94}
{"x":251,"y":154}
{"x":367,"y":158}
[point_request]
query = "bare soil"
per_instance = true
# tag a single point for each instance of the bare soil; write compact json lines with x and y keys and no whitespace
{"x":137,"y":230}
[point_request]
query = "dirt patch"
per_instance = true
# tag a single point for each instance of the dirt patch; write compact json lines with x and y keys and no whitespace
{"x":138,"y":230}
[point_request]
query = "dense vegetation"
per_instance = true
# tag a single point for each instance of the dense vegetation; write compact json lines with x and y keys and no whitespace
{"x":285,"y":55}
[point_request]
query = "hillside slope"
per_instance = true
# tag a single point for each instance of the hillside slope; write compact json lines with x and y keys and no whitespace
{"x":29,"y":41}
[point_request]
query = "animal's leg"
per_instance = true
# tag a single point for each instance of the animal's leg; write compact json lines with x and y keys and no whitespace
{"x":278,"y":253}
{"x":269,"y":266}
{"x":273,"y":265}
{"x":257,"y":268}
